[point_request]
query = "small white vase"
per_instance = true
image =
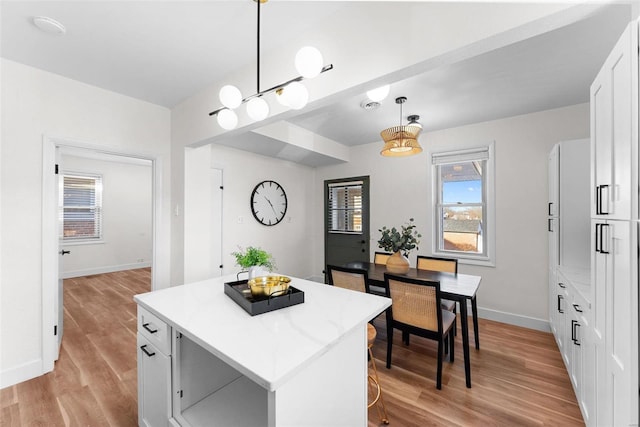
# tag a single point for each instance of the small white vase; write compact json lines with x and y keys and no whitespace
{"x":257,"y":271}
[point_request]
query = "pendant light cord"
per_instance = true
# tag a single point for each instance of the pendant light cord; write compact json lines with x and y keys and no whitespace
{"x":258,"y":50}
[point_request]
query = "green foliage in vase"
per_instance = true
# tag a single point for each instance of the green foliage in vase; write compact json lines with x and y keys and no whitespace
{"x":405,"y":239}
{"x":253,"y":256}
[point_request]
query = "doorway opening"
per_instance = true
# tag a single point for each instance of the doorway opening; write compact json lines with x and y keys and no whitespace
{"x":55,"y":151}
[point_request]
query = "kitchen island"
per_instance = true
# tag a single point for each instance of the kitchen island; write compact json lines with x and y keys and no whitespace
{"x":203,"y":360}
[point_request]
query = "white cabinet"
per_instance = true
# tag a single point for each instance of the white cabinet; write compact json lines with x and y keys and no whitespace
{"x":571,"y":326}
{"x":154,"y":371}
{"x":614,"y":132}
{"x":616,"y":321}
{"x":614,"y":211}
{"x":569,"y":262}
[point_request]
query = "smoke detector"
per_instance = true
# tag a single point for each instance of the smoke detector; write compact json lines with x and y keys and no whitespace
{"x":49,"y":25}
{"x":369,"y":105}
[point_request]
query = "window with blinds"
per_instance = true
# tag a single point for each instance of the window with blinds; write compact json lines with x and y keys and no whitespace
{"x":81,"y":207}
{"x":345,"y":207}
{"x":464,"y":207}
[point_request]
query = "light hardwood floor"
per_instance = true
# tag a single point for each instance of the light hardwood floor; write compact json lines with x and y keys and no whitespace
{"x":518,"y":376}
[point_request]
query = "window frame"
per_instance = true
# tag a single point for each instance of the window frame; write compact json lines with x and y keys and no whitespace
{"x":345,"y":184}
{"x":481,"y":152}
{"x":98,"y":207}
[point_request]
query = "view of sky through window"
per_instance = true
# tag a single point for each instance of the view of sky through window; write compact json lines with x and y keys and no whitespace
{"x":462,"y":192}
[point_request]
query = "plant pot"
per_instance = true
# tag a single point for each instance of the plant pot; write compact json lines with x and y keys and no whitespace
{"x":397,"y":263}
{"x":257,"y":271}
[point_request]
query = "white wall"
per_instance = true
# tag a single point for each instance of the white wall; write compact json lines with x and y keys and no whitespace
{"x":126,"y":217}
{"x":37,"y":103}
{"x":516,"y":289}
{"x":290,"y":241}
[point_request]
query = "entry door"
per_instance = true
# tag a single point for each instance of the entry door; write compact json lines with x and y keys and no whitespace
{"x":346,"y":205}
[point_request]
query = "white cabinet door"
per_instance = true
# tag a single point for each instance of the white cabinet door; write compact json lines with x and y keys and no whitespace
{"x":614,"y":133}
{"x":616,"y":322}
{"x":154,"y":382}
{"x":554,"y":181}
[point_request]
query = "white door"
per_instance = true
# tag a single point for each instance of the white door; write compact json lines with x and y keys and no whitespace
{"x":59,"y":301}
{"x":202,"y":216}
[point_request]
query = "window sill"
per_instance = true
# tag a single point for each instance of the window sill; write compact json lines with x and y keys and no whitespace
{"x":82,"y":242}
{"x":465,"y":259}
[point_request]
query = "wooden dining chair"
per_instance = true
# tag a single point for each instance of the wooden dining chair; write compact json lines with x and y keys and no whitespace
{"x":415,"y":309}
{"x":381,"y":257}
{"x":450,"y":265}
{"x":357,"y":279}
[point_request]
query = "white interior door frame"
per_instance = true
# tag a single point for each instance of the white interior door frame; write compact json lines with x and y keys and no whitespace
{"x":50,"y":239}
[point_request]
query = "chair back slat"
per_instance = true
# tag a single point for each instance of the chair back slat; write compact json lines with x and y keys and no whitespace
{"x":437,"y":264}
{"x":381,"y":257}
{"x":346,"y":280}
{"x":415,"y":305}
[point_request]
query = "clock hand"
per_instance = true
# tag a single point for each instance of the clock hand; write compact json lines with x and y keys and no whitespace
{"x":270,"y":204}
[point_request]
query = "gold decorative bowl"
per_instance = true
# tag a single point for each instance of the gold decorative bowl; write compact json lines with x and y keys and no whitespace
{"x":269,"y":286}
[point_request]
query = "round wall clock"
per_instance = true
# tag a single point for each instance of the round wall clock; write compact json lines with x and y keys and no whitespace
{"x":268,"y":203}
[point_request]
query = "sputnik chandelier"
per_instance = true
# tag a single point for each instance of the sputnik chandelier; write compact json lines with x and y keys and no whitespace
{"x":292,"y":93}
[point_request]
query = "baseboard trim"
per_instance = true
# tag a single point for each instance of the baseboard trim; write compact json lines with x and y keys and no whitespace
{"x":21,"y":373}
{"x":513,"y":319}
{"x":102,"y":270}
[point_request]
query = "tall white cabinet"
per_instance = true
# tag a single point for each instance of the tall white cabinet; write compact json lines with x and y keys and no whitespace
{"x":570,"y":301}
{"x":594,"y":317}
{"x":614,"y":246}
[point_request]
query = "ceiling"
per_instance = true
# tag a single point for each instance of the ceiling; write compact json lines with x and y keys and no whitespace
{"x":164,"y":52}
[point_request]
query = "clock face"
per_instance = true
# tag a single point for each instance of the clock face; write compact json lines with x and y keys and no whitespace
{"x":268,"y":203}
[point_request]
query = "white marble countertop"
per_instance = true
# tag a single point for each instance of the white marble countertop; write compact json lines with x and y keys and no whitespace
{"x":268,"y":348}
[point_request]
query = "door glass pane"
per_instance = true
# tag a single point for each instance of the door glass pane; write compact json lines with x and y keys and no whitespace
{"x":345,"y":208}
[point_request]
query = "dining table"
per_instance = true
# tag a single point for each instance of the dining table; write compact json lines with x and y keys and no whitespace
{"x":453,"y":286}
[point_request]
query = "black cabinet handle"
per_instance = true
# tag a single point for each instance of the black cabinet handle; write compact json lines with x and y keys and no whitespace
{"x":562,"y":285}
{"x":597,"y":237}
{"x":577,"y":308}
{"x":602,"y":226}
{"x":146,"y":326}
{"x":144,"y":349}
{"x":574,"y":333}
{"x":549,"y":225}
{"x":549,"y":209}
{"x":599,"y":210}
{"x":560,"y":298}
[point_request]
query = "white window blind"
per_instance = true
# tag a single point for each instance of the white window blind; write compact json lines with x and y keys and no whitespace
{"x":345,"y":207}
{"x":81,"y":207}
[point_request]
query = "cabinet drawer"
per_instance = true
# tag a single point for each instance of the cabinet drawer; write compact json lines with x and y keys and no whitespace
{"x":155,"y":330}
{"x":154,"y":382}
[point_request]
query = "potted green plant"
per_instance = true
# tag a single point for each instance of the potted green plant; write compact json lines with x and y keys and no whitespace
{"x":256,"y":261}
{"x":399,"y":243}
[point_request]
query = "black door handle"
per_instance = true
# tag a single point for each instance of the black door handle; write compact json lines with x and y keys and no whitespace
{"x":63,"y":252}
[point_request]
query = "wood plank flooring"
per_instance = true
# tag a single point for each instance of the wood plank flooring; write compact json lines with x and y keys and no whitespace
{"x":94,"y":381}
{"x":518,"y":376}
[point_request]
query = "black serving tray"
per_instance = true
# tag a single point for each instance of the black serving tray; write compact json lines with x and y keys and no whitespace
{"x":239,"y":292}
